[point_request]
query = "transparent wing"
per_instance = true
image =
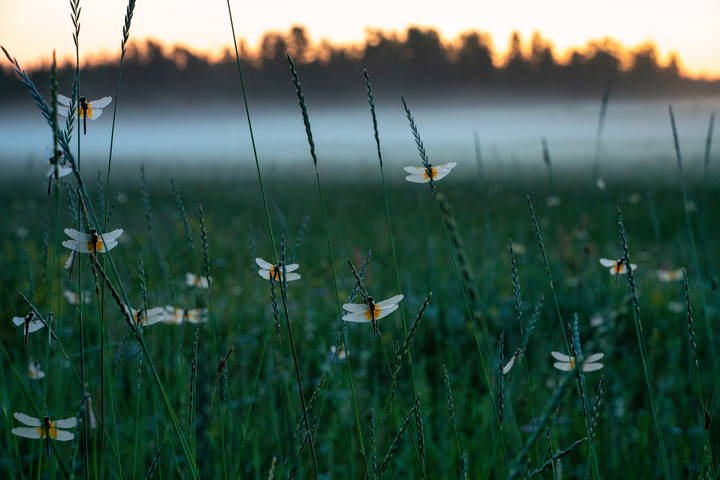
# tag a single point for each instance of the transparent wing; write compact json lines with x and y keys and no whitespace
{"x":263,"y":264}
{"x":355,"y":307}
{"x":594,"y":357}
{"x":414,"y":170}
{"x":449,"y":166}
{"x":27,"y":419}
{"x":34,"y":326}
{"x":66,"y":423}
{"x":101,"y":102}
{"x":385,"y":311}
{"x":292,"y":267}
{"x":111,"y":236}
{"x":95,"y":113}
{"x":292,"y":276}
{"x":264,"y":274}
{"x":591,"y":367}
{"x":64,"y":435}
{"x":69,"y":261}
{"x":606,"y":262}
{"x":26,"y":432}
{"x":63,"y":100}
{"x":633,"y":266}
{"x":108,"y":246}
{"x":71,"y":257}
{"x":565,"y":367}
{"x":72,"y":245}
{"x":355,"y":318}
{"x":18,"y":321}
{"x":560,"y":356}
{"x":391,"y":301}
{"x":509,"y":365}
{"x":440,"y":174}
{"x":417,"y":179}
{"x":77,"y":236}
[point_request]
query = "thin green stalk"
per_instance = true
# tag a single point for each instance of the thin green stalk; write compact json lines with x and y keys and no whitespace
{"x":708,"y":148}
{"x":640,"y":336}
{"x":451,"y":412}
{"x":691,"y":236}
{"x":388,"y":220}
{"x":696,"y":364}
{"x":293,"y":349}
{"x":213,"y":324}
{"x":478,"y":157}
{"x":103,"y":325}
{"x":600,"y":128}
{"x":456,"y":253}
{"x":331,"y":254}
{"x":262,"y":189}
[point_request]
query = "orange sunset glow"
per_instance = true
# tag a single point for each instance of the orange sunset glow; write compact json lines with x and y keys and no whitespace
{"x":32,"y":28}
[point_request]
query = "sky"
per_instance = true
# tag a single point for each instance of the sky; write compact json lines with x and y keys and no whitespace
{"x":30,"y":29}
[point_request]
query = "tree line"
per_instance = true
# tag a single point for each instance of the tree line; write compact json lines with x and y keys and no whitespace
{"x":418,"y":61}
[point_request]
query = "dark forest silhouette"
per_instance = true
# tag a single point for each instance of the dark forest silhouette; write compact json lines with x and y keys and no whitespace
{"x":418,"y":62}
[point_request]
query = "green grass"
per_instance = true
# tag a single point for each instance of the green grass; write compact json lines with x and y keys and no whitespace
{"x":256,"y":391}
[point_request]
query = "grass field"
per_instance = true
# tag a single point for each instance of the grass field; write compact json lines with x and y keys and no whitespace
{"x":167,"y":355}
{"x":247,"y":419}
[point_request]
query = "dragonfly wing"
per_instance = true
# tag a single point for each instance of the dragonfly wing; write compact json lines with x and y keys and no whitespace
{"x":391,"y":301}
{"x":34,"y":326}
{"x":27,"y":419}
{"x":565,"y":367}
{"x":384,"y":312}
{"x":263,"y":264}
{"x":560,"y":356}
{"x":101,"y":102}
{"x":66,"y":422}
{"x":62,"y":99}
{"x":594,"y":357}
{"x":64,"y":435}
{"x":417,"y":179}
{"x":591,"y":367}
{"x":114,"y":235}
{"x":77,"y":236}
{"x":26,"y":432}
{"x":355,"y":307}
{"x":355,"y":318}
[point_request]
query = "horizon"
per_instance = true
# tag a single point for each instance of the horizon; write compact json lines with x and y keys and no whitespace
{"x":203,"y":31}
{"x":318,"y":47}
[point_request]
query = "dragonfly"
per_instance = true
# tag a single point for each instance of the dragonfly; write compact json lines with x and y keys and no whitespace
{"x":86,"y":109}
{"x":91,"y":242}
{"x":44,"y":428}
{"x":57,"y":169}
{"x":425,"y":174}
{"x":371,"y":311}
{"x":30,"y":325}
{"x":567,"y":363}
{"x":268,"y":270}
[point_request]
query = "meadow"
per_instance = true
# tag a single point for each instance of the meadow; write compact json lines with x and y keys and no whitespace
{"x":169,"y":356}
